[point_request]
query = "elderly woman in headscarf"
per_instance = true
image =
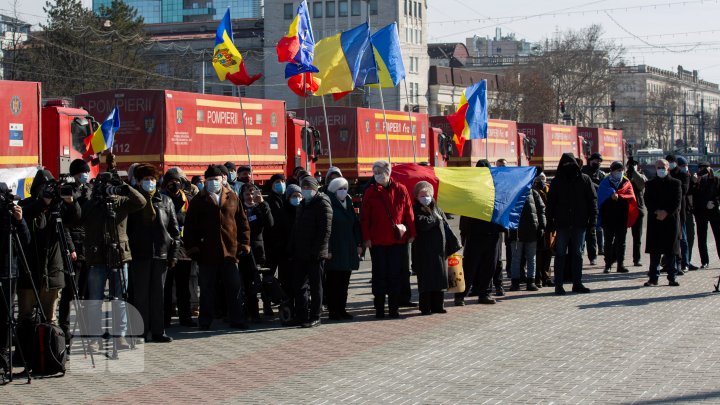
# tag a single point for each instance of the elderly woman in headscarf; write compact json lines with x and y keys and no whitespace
{"x":428,"y":250}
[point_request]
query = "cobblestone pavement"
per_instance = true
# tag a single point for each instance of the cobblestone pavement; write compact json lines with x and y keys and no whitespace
{"x":623,"y":343}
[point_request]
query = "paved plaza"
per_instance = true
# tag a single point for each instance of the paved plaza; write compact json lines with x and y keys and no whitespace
{"x":623,"y":343}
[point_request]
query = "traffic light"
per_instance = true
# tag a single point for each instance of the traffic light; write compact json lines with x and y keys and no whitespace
{"x":612,"y":105}
{"x":562,"y":106}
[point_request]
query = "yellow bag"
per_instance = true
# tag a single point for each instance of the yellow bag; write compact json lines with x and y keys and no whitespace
{"x":456,"y":278}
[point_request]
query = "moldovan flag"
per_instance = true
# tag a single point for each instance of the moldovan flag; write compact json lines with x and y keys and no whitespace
{"x":104,"y":136}
{"x":227,"y":61}
{"x":492,"y":194}
{"x":388,"y":56}
{"x":342,"y":61}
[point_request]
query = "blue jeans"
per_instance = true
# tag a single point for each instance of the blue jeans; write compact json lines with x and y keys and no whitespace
{"x":570,"y":242}
{"x":528,"y":250}
{"x":97,"y":277}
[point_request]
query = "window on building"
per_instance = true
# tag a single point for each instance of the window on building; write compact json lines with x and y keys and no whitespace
{"x":415,"y":7}
{"x":412,"y":92}
{"x":355,"y":7}
{"x":317,"y":9}
{"x":420,"y":6}
{"x":373,"y":7}
{"x":330,"y":9}
{"x":417,"y":93}
{"x":405,"y":8}
{"x":288,"y":11}
{"x":343,"y":8}
{"x":412,"y":64}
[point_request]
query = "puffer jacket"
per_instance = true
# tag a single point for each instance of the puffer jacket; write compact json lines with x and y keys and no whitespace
{"x":532,"y":219}
{"x":311,"y":232}
{"x":572,"y":200}
{"x":158,"y":239}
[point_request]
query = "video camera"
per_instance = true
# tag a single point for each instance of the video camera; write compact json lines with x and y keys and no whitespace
{"x":56,"y":189}
{"x":107,"y":185}
{"x":7,"y":200}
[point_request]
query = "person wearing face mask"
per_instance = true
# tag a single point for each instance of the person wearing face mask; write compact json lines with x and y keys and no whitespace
{"x":545,"y":240}
{"x":82,"y":190}
{"x":388,"y":225}
{"x":663,"y":196}
{"x":277,"y":235}
{"x":130,"y":172}
{"x":637,"y":180}
{"x":260,"y":218}
{"x":594,"y":237}
{"x":618,"y":212}
{"x":309,"y":247}
{"x":179,"y":275}
{"x":232,"y":177}
{"x":332,"y":174}
{"x":571,"y":211}
{"x":705,"y":193}
{"x":244,"y":174}
{"x":523,"y":240}
{"x":429,"y":255}
{"x":199,"y":182}
{"x":682,"y":173}
{"x":217,"y":234}
{"x":154,"y":238}
{"x":345,"y":248}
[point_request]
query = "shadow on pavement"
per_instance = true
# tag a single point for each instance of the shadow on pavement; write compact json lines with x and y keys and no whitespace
{"x":644,"y":301}
{"x":703,"y":396}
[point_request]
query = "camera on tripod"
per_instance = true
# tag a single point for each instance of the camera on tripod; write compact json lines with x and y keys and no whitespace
{"x":7,"y":200}
{"x":107,"y":185}
{"x":57,"y":189}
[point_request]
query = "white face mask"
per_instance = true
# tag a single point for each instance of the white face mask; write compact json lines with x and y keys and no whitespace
{"x":661,"y":173}
{"x":341,"y":194}
{"x":425,"y":200}
{"x":381,"y":179}
{"x":213,"y":186}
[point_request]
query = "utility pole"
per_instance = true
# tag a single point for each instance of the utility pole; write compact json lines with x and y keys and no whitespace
{"x":685,"y":122}
{"x":702,"y":125}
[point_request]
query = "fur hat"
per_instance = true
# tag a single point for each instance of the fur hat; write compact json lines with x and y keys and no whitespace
{"x":213,"y":171}
{"x":145,"y":170}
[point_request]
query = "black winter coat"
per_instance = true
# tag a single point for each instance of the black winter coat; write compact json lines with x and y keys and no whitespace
{"x":181,"y":202}
{"x":615,"y":212}
{"x":81,"y":193}
{"x":259,"y":218}
{"x":158,"y":239}
{"x":532,"y":219}
{"x":277,"y":235}
{"x":663,"y":237}
{"x":429,"y":261}
{"x":311,"y":232}
{"x":705,"y":190}
{"x":572,"y":199}
{"x":676,"y":173}
{"x":638,"y":180}
{"x":345,"y":237}
{"x":24,"y":235}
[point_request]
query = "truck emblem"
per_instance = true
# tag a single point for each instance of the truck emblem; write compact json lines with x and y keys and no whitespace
{"x":15,"y":105}
{"x":149,"y":125}
{"x":367,"y":126}
{"x":273,"y":120}
{"x":179,"y":115}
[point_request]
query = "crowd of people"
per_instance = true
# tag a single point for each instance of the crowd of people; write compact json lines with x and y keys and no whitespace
{"x":156,"y":238}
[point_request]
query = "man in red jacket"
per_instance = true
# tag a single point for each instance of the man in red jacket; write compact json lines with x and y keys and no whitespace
{"x":388,"y":225}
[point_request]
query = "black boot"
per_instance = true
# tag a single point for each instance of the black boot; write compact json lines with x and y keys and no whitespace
{"x":393,"y":307}
{"x":515,"y":284}
{"x":379,"y":307}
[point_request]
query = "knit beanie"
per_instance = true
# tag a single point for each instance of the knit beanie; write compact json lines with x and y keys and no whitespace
{"x":213,"y":171}
{"x":292,"y":189}
{"x":310,"y":181}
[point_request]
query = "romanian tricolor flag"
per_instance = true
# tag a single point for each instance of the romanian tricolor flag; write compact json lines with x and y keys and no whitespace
{"x":493,"y":194}
{"x":103,"y":137}
{"x":297,"y":47}
{"x":388,"y":56}
{"x":227,"y":61}
{"x":470,"y":121}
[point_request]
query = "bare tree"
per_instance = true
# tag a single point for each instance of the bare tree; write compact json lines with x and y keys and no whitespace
{"x":660,"y":120}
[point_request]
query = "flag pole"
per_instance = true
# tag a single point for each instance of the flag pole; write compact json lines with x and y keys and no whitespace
{"x":387,"y":135}
{"x":247,"y":142}
{"x":412,"y":127}
{"x":327,"y":130}
{"x":305,"y":139}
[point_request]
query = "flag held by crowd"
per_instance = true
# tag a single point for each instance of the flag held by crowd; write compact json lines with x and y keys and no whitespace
{"x":227,"y":60}
{"x":297,"y":47}
{"x":103,"y":137}
{"x":495,"y":194}
{"x":388,"y":57}
{"x":470,"y":121}
{"x":606,"y":190}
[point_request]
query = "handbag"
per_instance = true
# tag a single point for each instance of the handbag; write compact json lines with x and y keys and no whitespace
{"x":452,"y":242}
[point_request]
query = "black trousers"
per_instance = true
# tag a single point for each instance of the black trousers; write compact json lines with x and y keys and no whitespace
{"x":480,"y":261}
{"x":389,"y":273}
{"x":432,"y":301}
{"x":308,"y":283}
{"x":690,"y":232}
{"x":637,"y":231}
{"x":702,"y":231}
{"x":337,"y":285}
{"x":594,"y":242}
{"x":406,"y":293}
{"x":615,"y":237}
{"x":497,"y":280}
{"x":146,"y":278}
{"x":228,"y":276}
{"x":66,"y":296}
{"x":542,"y":265}
{"x":180,"y":275}
{"x":251,"y":285}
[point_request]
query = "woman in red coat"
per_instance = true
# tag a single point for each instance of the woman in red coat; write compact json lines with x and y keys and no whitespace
{"x":388,"y":225}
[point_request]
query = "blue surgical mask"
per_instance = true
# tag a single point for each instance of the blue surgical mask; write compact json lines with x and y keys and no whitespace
{"x":133,"y":182}
{"x":684,"y":169}
{"x":308,"y":194}
{"x":425,"y":200}
{"x":295,"y":201}
{"x":279,"y":187}
{"x":673,"y":165}
{"x":232,"y":176}
{"x":149,"y":186}
{"x":213,"y":186}
{"x":661,"y":173}
{"x":83,"y":178}
{"x":200,"y":186}
{"x":617,"y":176}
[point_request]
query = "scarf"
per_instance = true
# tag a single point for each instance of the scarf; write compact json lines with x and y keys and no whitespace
{"x":148,"y":212}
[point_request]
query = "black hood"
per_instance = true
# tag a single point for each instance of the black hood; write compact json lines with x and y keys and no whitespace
{"x":482,"y":163}
{"x":568,"y":166}
{"x":42,"y":177}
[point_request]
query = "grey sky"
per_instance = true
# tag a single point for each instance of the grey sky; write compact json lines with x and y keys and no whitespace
{"x":694,"y":23}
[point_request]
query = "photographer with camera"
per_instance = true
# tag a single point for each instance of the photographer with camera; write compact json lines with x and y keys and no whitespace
{"x":107,"y":249}
{"x":11,"y":216}
{"x":49,"y":199}
{"x":154,"y":241}
{"x":81,"y":191}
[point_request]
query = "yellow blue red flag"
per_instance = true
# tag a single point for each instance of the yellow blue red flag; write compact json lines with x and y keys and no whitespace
{"x":471,"y":118}
{"x":227,"y":60}
{"x":104,"y":137}
{"x":388,"y":56}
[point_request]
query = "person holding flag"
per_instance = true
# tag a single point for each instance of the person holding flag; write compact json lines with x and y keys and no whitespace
{"x":618,"y":210}
{"x":104,"y":136}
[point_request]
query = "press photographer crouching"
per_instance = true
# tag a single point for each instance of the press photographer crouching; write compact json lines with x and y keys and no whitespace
{"x":107,"y":251}
{"x":48,"y":201}
{"x":11,"y":216}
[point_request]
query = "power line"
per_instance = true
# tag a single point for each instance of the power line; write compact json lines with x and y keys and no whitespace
{"x":646,"y":42}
